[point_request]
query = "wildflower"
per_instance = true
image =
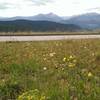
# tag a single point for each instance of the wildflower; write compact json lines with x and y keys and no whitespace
{"x":28,"y":97}
{"x":64,"y":59}
{"x":93,"y":54}
{"x":62,"y":69}
{"x":52,"y":54}
{"x":71,"y":65}
{"x":70,"y":61}
{"x":85,"y":47}
{"x":3,"y":80}
{"x":70,"y":57}
{"x":43,"y":98}
{"x":57,"y":44}
{"x":44,"y":59}
{"x":45,"y":68}
{"x":90,"y":74}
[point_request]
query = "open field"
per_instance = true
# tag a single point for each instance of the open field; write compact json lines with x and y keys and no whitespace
{"x":95,"y":32}
{"x":52,"y":70}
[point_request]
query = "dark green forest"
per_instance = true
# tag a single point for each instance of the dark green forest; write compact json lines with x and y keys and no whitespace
{"x":36,"y":26}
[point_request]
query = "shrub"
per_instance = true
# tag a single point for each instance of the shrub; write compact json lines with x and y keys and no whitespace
{"x":32,"y":95}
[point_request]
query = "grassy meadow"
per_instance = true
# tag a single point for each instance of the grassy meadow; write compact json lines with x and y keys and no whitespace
{"x":52,"y":70}
{"x":93,"y":32}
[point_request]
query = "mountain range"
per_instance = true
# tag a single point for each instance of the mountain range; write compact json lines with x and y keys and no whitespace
{"x":86,"y":21}
{"x":39,"y":17}
{"x":83,"y":21}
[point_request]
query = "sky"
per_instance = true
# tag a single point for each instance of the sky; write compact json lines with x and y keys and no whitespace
{"x":10,"y":8}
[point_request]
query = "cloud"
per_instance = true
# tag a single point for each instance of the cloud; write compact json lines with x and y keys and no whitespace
{"x":8,"y":4}
{"x":4,"y":6}
{"x":91,"y":9}
{"x":40,"y":2}
{"x":97,"y":8}
{"x":76,"y":2}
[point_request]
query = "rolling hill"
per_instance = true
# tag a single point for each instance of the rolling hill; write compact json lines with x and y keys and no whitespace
{"x":37,"y":26}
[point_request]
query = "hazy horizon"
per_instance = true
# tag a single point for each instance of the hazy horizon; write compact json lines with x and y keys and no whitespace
{"x":13,"y":8}
{"x":49,"y":13}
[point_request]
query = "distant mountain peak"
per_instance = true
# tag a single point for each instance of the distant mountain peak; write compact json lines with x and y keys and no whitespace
{"x":91,"y":13}
{"x":88,"y":14}
{"x":87,"y":20}
{"x":48,"y":15}
{"x":51,"y":14}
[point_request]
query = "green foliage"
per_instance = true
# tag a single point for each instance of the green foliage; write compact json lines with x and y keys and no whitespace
{"x":9,"y":90}
{"x":32,"y":95}
{"x":53,"y":70}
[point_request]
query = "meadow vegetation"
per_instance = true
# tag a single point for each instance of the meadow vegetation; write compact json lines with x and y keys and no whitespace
{"x":97,"y":32}
{"x":53,"y":70}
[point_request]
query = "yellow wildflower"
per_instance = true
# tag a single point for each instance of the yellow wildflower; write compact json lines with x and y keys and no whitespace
{"x":70,"y":57}
{"x":64,"y":59}
{"x":90,"y":74}
{"x":71,"y":65}
{"x":43,"y":98}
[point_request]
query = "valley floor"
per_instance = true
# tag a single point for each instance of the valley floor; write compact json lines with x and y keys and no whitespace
{"x":51,"y":70}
